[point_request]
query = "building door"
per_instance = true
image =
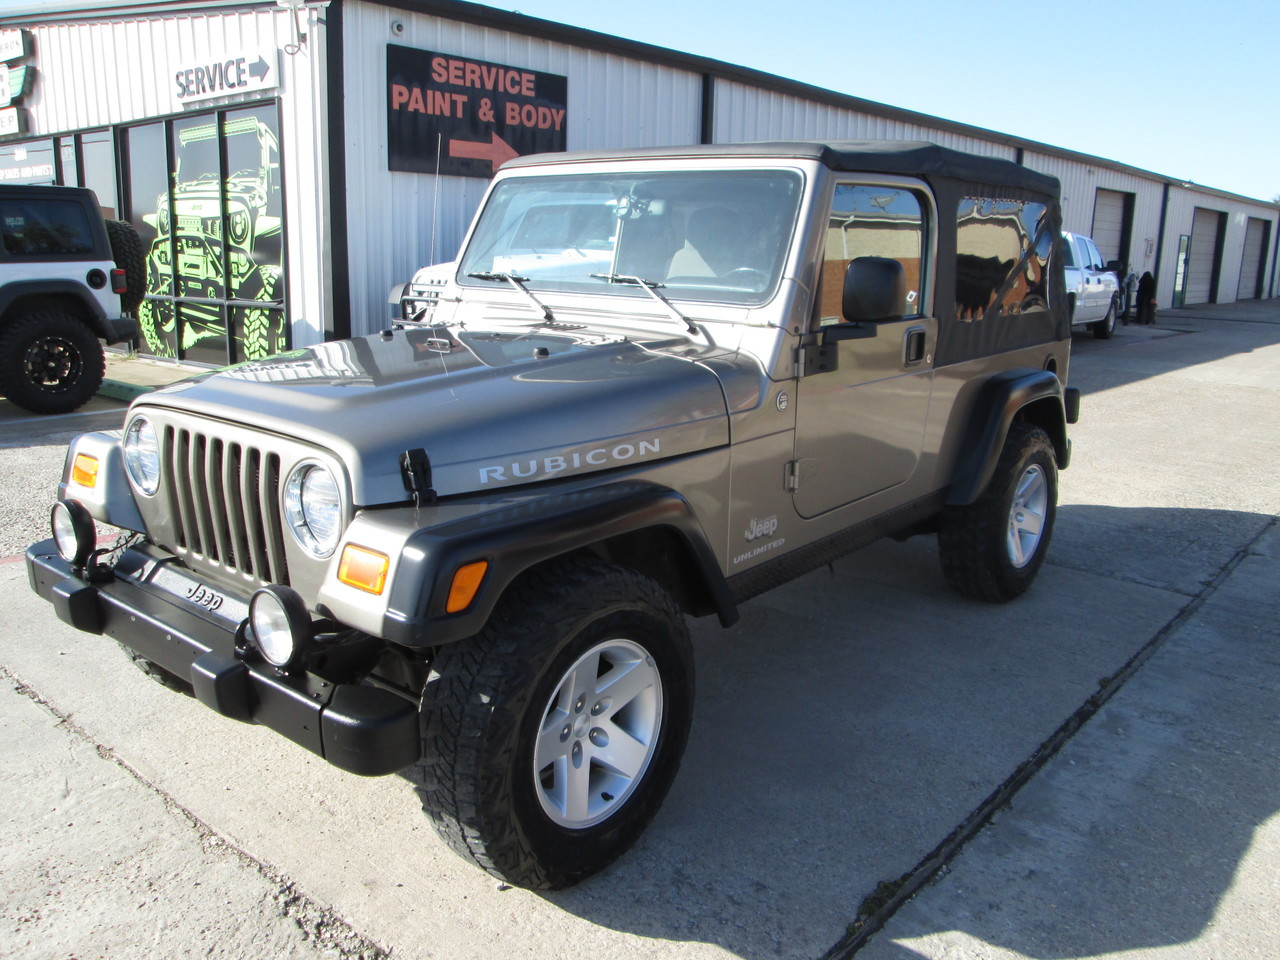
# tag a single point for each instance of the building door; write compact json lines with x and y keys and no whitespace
{"x":1112,"y":225}
{"x":1205,"y":259}
{"x":1253,"y":259}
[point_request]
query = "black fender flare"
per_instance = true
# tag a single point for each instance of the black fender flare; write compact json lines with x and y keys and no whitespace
{"x":513,"y":538}
{"x":1034,"y":395}
{"x":11,"y":293}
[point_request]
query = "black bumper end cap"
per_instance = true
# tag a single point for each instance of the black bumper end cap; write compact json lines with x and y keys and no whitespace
{"x":222,"y":684}
{"x":76,"y":603}
{"x":369,"y":731}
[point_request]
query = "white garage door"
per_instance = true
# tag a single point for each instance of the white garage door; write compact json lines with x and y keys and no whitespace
{"x":1255,"y":245}
{"x":1204,"y":255}
{"x":1108,"y":223}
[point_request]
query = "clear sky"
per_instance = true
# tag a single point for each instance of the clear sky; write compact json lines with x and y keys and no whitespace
{"x":1186,"y":88}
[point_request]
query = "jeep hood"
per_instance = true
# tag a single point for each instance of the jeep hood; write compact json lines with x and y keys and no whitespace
{"x":491,"y":409}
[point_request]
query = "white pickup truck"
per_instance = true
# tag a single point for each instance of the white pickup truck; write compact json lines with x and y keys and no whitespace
{"x":1093,"y":289}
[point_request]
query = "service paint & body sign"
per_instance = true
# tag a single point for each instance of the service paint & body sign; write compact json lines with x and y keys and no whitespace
{"x":466,"y":117}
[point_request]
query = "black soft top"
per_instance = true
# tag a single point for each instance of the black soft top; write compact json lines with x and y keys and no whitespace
{"x":916,"y":158}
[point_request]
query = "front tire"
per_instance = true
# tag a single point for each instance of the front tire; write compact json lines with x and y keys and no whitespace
{"x":550,"y":739}
{"x":992,"y":549}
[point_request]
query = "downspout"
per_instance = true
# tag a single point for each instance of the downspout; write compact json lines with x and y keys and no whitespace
{"x":708,"y":131}
{"x":338,"y":324}
{"x":1164,"y":216}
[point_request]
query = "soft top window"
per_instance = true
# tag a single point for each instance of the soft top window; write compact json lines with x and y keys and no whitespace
{"x":45,"y":228}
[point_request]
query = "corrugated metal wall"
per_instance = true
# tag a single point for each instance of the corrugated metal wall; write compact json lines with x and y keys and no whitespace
{"x":96,"y":74}
{"x":745,"y":113}
{"x":401,"y":221}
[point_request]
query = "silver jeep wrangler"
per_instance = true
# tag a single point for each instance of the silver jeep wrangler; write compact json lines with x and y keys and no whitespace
{"x":654,"y":384}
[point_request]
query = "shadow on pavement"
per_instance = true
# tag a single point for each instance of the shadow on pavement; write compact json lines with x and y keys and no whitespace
{"x":857,"y":716}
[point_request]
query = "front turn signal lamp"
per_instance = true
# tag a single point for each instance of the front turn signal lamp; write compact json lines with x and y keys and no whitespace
{"x":84,"y":471}
{"x":363,"y":568}
{"x":466,"y":583}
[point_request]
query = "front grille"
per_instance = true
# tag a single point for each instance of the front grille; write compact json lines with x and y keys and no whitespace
{"x":224,"y":498}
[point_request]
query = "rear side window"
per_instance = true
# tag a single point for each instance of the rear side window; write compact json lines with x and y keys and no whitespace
{"x":1002,"y":257}
{"x":45,"y":228}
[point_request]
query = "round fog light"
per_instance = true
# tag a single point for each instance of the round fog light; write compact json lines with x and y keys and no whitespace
{"x":280,"y":623}
{"x":73,"y":531}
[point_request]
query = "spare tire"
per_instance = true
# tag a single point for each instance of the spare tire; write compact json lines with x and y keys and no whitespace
{"x":129,"y":255}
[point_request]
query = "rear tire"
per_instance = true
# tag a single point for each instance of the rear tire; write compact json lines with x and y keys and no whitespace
{"x":1105,"y":328}
{"x":50,"y":361}
{"x":551,"y":738}
{"x":992,"y":549}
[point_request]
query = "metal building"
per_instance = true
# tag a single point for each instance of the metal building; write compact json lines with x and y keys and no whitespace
{"x":288,"y":161}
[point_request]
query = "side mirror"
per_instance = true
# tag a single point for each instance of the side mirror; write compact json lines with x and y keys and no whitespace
{"x":875,"y":288}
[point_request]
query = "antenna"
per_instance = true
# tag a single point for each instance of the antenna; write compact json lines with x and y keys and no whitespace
{"x":435,"y":201}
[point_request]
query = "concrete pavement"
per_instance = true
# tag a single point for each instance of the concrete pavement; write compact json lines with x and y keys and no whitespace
{"x":844,"y":730}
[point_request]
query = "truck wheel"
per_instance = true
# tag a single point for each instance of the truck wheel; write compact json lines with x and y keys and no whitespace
{"x":50,"y":362}
{"x":550,"y":738}
{"x":1105,"y":328}
{"x":993,"y":548}
{"x":129,"y":256}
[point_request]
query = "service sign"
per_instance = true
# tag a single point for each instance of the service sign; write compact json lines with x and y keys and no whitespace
{"x":466,"y":117}
{"x":225,"y":73}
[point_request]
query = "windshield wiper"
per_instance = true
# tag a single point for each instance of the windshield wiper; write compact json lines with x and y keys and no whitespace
{"x":651,"y":288}
{"x":519,"y":284}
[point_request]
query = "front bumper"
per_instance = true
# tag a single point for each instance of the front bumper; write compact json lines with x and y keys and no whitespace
{"x":358,"y":727}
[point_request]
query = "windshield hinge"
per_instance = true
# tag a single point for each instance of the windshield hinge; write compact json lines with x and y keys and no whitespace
{"x":815,"y":357}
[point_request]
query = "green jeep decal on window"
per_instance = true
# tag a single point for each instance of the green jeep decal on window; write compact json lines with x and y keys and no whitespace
{"x":193,"y":253}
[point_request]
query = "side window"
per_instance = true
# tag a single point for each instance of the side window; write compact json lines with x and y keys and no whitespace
{"x":872,"y":221}
{"x":1095,"y":258}
{"x":1068,"y":252}
{"x":1002,"y":257}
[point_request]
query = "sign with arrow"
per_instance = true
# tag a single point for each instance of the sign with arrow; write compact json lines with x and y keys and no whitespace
{"x":465,"y":117}
{"x":226,"y":73}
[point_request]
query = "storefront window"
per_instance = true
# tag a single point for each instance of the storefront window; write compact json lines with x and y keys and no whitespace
{"x":98,"y":162}
{"x":30,"y":162}
{"x":149,"y":212}
{"x":215,"y":281}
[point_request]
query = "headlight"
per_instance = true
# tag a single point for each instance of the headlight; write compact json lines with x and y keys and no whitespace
{"x":73,"y":531}
{"x":280,"y":625}
{"x":142,"y":455}
{"x":313,"y":508}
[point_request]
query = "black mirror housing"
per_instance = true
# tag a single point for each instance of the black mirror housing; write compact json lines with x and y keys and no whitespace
{"x":875,"y":289}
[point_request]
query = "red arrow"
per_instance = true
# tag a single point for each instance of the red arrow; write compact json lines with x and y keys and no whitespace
{"x":496,"y":152}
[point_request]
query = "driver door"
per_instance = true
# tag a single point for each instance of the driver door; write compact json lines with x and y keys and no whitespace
{"x":860,"y":427}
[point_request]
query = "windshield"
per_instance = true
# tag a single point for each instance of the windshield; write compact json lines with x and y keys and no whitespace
{"x":716,"y":236}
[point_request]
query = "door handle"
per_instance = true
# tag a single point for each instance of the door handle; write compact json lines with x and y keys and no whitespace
{"x":913,"y":344}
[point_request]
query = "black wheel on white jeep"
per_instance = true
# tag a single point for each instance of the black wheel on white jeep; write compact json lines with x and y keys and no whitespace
{"x":551,"y":738}
{"x":1105,"y":328}
{"x":992,"y":549}
{"x":50,"y":361}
